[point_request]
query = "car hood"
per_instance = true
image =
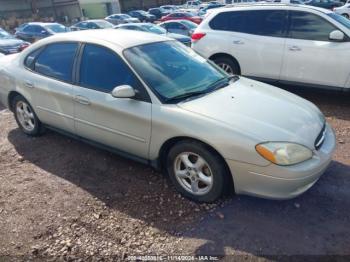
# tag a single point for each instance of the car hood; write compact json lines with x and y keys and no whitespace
{"x":10,"y":42}
{"x":262,"y":112}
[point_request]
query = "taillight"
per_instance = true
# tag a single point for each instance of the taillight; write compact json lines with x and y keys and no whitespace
{"x":197,"y":36}
{"x":23,"y":46}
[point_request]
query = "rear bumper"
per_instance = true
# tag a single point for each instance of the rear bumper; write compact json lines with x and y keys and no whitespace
{"x":278,"y":182}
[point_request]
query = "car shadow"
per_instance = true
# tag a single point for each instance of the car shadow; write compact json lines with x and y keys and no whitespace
{"x":315,"y":223}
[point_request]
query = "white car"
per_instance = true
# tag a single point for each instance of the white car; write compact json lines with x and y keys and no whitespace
{"x":155,"y":100}
{"x":193,"y":4}
{"x":293,"y":44}
{"x":343,"y":10}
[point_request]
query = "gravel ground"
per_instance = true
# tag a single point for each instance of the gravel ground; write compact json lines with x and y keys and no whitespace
{"x":63,"y":199}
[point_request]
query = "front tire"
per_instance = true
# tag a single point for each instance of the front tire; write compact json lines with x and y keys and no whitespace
{"x":346,"y":16}
{"x":25,"y":117}
{"x":197,"y":172}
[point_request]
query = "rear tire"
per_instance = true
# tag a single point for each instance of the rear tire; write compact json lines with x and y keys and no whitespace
{"x":228,"y":65}
{"x":197,"y":172}
{"x":25,"y":117}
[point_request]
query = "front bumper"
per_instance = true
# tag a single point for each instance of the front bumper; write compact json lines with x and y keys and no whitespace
{"x":282,"y":182}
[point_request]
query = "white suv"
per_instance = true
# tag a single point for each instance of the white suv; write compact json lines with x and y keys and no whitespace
{"x":290,"y":44}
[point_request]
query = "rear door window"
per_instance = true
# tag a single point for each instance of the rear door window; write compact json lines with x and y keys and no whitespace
{"x":56,"y":61}
{"x":256,"y":22}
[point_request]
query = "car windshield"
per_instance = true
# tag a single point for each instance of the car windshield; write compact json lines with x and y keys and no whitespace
{"x":142,"y":12}
{"x":5,"y":35}
{"x":153,"y":29}
{"x":174,"y":71}
{"x":56,"y":28}
{"x":103,"y":24}
{"x":125,"y":16}
{"x":340,"y":19}
{"x":187,"y":14}
{"x":189,"y":24}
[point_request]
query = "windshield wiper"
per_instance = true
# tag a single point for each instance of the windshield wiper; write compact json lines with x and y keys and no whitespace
{"x":221,"y":83}
{"x":214,"y":86}
{"x":186,"y":95}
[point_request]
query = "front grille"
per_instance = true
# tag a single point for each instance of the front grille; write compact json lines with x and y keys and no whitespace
{"x":320,"y":138}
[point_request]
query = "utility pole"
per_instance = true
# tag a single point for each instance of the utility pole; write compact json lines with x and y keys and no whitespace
{"x":33,"y":6}
{"x":54,"y":9}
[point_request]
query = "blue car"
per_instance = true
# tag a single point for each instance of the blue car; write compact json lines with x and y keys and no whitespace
{"x":32,"y":32}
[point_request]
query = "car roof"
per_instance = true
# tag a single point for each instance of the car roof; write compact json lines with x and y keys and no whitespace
{"x":94,"y":20}
{"x":42,"y":23}
{"x":137,"y":24}
{"x":121,"y":38}
{"x":180,"y":21}
{"x":255,"y":6}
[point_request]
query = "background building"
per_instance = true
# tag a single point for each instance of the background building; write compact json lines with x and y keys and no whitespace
{"x":15,"y":12}
{"x":127,"y":5}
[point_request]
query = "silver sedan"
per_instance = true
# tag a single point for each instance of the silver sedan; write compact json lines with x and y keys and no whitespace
{"x":152,"y":99}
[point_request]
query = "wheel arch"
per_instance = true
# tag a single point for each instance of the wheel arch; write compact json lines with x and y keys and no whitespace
{"x":167,"y":145}
{"x":10,"y":98}
{"x":219,"y":55}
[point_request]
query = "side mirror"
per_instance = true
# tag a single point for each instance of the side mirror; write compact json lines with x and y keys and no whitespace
{"x":336,"y":35}
{"x":123,"y":91}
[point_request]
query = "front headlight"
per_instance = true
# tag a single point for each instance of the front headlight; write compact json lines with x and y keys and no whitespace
{"x":283,"y":153}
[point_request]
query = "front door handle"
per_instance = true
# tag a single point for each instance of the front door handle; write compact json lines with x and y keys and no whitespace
{"x":294,"y":48}
{"x":82,"y":100}
{"x":29,"y":84}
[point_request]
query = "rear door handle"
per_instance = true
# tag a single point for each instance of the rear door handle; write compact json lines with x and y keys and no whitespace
{"x":238,"y":42}
{"x":294,"y":48}
{"x":82,"y":100}
{"x":29,"y":84}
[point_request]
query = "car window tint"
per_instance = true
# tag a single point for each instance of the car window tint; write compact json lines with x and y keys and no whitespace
{"x":102,"y":70}
{"x":257,"y":22}
{"x":82,"y":25}
{"x":29,"y":28}
{"x":31,"y":57}
{"x":175,"y":26}
{"x":38,"y":29}
{"x":309,"y":26}
{"x":56,"y":61}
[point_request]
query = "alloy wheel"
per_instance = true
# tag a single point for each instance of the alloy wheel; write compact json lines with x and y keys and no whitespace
{"x":227,"y":68}
{"x":25,"y":116}
{"x":193,"y":173}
